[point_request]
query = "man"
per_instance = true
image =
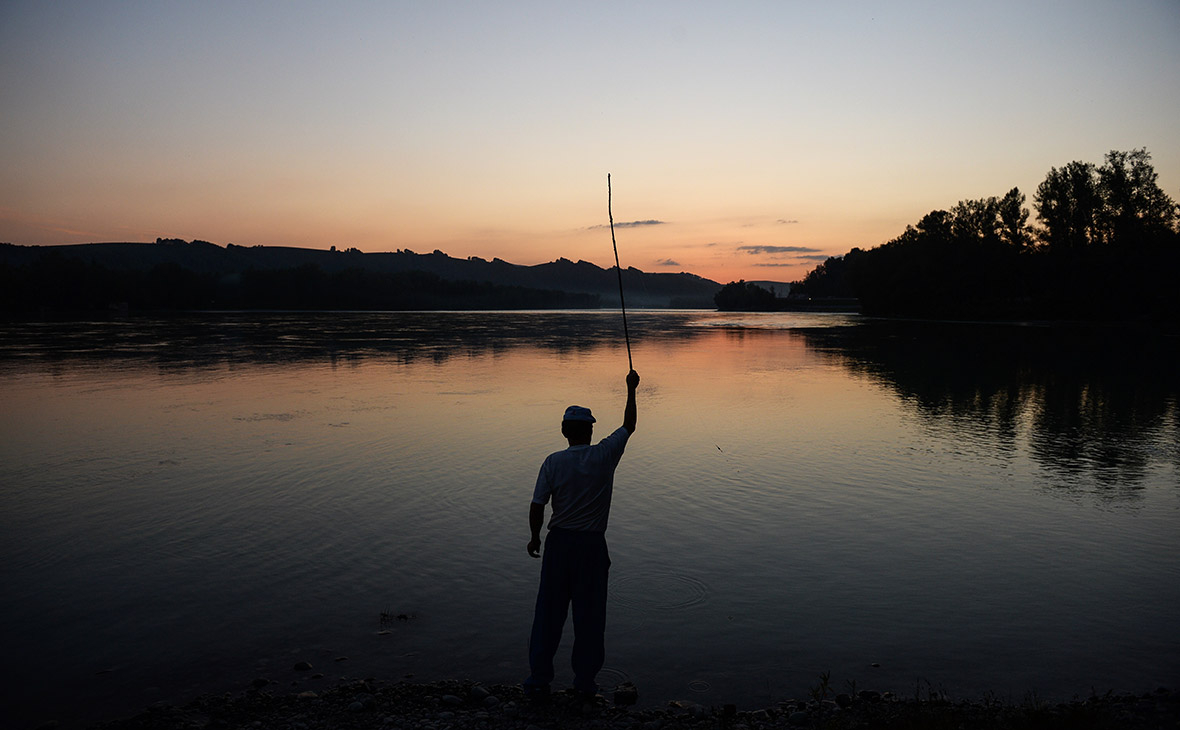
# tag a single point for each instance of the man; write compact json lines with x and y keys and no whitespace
{"x":579,"y":480}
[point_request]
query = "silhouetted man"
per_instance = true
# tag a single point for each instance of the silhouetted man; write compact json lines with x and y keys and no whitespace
{"x":579,"y":480}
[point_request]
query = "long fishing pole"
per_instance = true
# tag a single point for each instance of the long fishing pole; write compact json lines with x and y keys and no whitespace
{"x":619,"y":270}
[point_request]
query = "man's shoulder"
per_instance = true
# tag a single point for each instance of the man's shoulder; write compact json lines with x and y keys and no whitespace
{"x":616,"y":440}
{"x":619,"y":433}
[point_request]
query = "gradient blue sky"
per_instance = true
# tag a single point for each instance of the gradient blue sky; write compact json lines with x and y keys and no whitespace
{"x":753,"y":138}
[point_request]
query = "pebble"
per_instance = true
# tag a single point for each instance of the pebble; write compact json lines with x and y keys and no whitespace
{"x":367,"y":701}
{"x":418,"y":707}
{"x":302,"y":666}
{"x":491,"y":701}
{"x":479,"y":693}
{"x":451,"y":700}
{"x":626,"y":694}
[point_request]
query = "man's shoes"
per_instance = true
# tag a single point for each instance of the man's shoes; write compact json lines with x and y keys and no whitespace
{"x":587,"y":696}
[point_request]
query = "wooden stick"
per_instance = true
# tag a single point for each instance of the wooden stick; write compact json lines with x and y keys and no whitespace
{"x":619,"y":269}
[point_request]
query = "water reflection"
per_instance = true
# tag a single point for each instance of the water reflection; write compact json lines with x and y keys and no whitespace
{"x":1102,"y":406}
{"x":1099,"y":404}
{"x":201,"y":340}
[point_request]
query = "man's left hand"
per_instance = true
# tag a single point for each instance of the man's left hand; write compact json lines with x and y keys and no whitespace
{"x":535,"y":548}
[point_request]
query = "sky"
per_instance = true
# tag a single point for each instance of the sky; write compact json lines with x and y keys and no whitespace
{"x":744,"y":140}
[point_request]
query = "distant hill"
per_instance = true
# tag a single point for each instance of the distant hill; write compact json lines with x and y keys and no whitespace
{"x":586,"y":281}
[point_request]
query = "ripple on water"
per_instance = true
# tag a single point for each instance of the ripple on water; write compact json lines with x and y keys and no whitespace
{"x":657,"y":591}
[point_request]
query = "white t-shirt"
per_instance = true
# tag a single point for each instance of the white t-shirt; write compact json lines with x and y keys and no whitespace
{"x":580,"y":480}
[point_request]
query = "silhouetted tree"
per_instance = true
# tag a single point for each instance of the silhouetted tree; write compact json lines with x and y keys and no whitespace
{"x":1109,"y":248}
{"x":829,"y":279}
{"x":1014,"y":228}
{"x":975,"y":221}
{"x":961,"y":262}
{"x":742,"y":296}
{"x":1067,"y":202}
{"x":1134,"y":210}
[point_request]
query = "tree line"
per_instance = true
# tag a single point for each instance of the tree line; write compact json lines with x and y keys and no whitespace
{"x":55,"y":282}
{"x":744,"y":296}
{"x":1105,"y":244}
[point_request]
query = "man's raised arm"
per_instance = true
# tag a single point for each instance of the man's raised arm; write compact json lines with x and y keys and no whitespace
{"x":629,"y":413}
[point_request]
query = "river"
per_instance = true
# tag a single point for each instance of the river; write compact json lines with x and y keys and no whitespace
{"x":190,"y":502}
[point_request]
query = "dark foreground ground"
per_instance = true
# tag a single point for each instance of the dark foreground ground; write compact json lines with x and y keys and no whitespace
{"x":455,"y":705}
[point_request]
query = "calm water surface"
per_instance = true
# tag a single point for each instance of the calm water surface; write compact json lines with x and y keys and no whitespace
{"x":189,"y":503}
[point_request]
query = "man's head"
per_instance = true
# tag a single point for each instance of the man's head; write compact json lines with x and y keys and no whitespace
{"x":577,"y":425}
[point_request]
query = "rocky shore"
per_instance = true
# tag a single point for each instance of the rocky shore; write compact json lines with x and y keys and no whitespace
{"x":459,"y":705}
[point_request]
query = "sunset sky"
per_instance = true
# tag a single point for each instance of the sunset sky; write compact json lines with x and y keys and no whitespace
{"x":744,"y":139}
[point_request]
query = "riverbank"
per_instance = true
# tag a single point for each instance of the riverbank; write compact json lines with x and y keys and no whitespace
{"x":460,"y":705}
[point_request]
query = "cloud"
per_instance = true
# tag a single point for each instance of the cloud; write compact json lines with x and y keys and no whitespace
{"x":636,"y":224}
{"x":778,"y":249}
{"x":769,"y":264}
{"x":44,"y":224}
{"x":667,"y":262}
{"x":815,"y":257}
{"x":785,"y":222}
{"x":631,"y":224}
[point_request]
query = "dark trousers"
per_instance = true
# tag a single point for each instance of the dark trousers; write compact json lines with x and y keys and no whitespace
{"x":574,"y":568}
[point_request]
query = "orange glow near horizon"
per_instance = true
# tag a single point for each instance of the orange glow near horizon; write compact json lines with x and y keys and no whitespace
{"x":744,"y":143}
{"x":755,"y":248}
